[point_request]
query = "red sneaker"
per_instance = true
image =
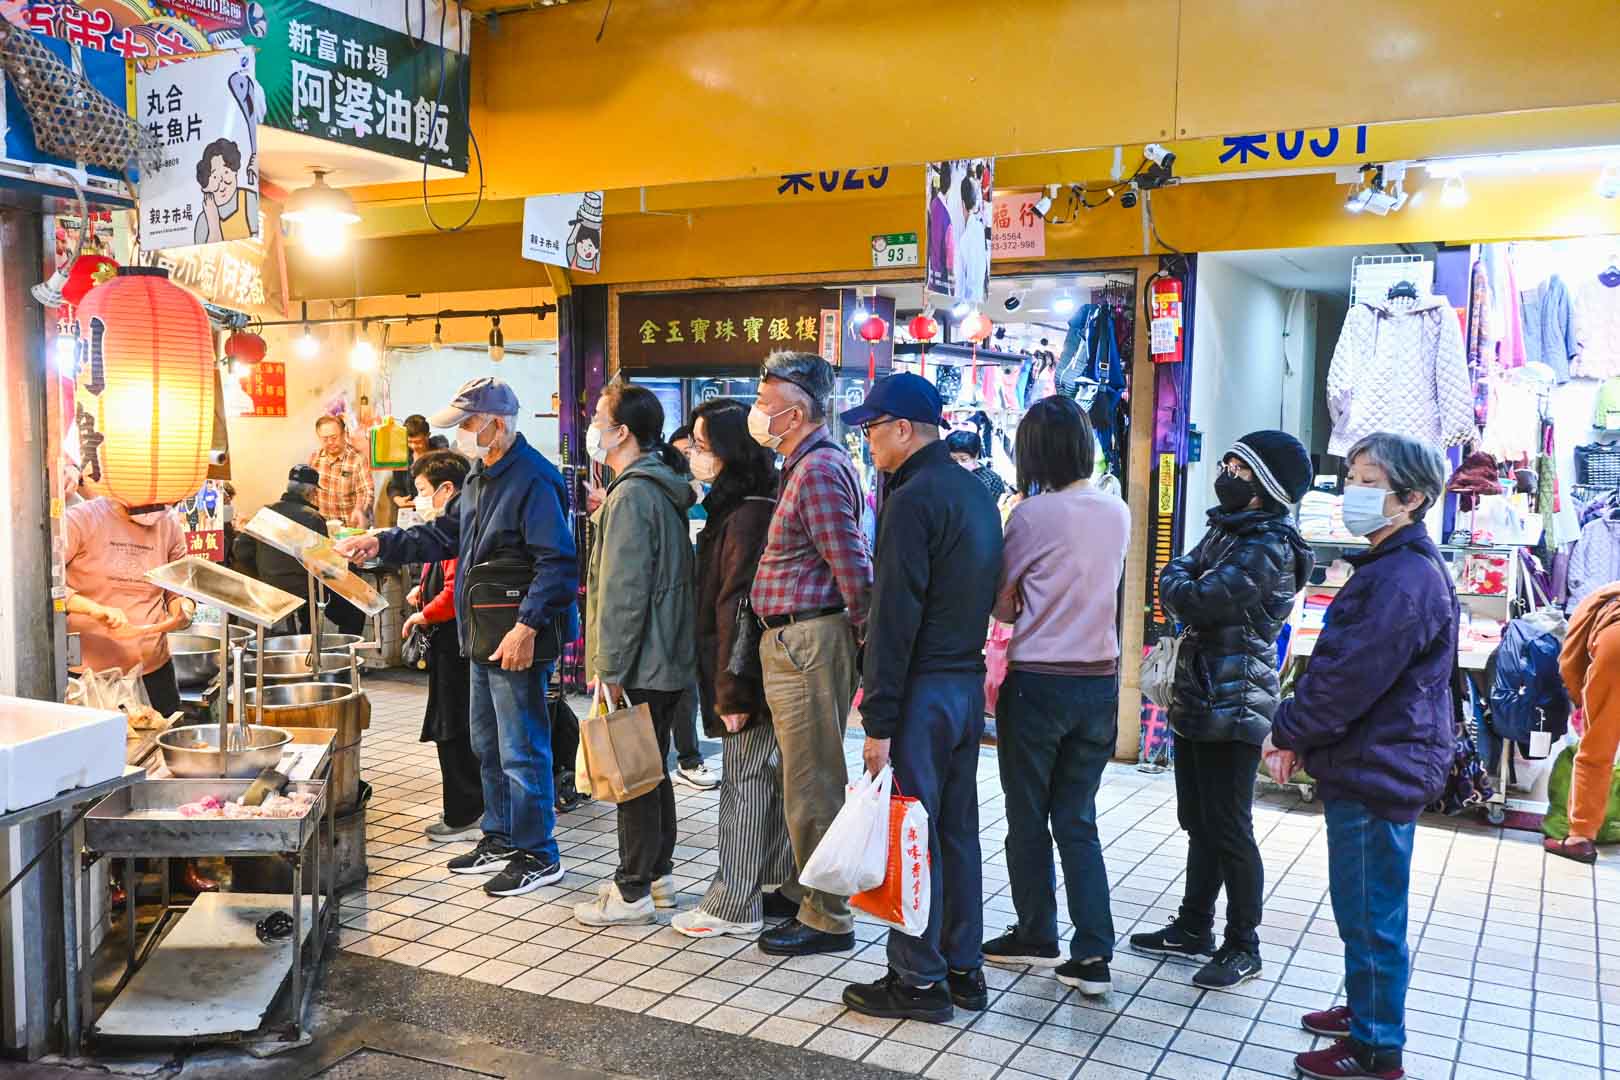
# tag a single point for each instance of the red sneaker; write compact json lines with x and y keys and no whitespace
{"x":1334,"y":1022}
{"x":1346,"y":1060}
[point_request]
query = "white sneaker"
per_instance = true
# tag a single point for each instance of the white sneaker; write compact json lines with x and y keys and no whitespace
{"x":698,"y":777}
{"x":663,"y":892}
{"x":610,"y":909}
{"x":698,"y":923}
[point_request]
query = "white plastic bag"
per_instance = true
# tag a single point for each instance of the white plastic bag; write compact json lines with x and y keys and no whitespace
{"x":854,"y":852}
{"x":904,"y":898}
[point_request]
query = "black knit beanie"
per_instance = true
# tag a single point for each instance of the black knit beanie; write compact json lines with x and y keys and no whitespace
{"x":1280,"y":464}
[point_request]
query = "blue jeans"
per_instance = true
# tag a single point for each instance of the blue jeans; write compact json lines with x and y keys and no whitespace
{"x":935,"y":754}
{"x":1369,"y":869}
{"x":1054,"y":734}
{"x":511,"y":734}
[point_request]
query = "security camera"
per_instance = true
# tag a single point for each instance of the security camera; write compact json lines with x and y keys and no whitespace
{"x":1043,"y":205}
{"x":1159,"y":168}
{"x":1159,"y":155}
{"x":1127,"y":198}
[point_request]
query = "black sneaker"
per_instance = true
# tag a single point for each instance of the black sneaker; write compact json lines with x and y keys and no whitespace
{"x":1092,"y":978}
{"x":489,"y":857}
{"x":1173,"y":941}
{"x":524,"y":873}
{"x":1007,"y":949}
{"x":1232,"y":966}
{"x":968,"y":990}
{"x":891,"y":999}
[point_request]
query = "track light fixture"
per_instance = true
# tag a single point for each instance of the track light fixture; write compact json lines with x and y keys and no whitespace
{"x":497,"y":340}
{"x":438,"y":334}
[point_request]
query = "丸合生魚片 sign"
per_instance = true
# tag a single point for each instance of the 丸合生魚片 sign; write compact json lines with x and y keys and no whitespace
{"x":564,"y":230}
{"x":205,"y":114}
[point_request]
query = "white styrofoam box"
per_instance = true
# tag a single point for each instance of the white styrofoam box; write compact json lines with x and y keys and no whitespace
{"x":46,"y":748}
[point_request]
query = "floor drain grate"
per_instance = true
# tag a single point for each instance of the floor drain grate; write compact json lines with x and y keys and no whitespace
{"x":381,"y":1065}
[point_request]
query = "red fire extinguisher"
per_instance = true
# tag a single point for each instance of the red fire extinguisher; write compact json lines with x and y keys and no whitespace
{"x":1164,"y":326}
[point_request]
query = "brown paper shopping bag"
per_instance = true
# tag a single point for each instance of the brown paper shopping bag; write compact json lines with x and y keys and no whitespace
{"x":620,"y":751}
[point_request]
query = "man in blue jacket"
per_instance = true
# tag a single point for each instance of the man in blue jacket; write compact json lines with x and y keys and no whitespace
{"x":935,"y":570}
{"x":514,"y":503}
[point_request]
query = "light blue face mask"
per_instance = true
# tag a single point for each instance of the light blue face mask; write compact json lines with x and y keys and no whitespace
{"x":1364,"y":509}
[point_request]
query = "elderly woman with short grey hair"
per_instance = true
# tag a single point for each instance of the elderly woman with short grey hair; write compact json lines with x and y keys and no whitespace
{"x":1372,"y":720}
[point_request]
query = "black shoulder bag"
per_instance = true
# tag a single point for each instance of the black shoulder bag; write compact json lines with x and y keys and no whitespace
{"x":495,"y":589}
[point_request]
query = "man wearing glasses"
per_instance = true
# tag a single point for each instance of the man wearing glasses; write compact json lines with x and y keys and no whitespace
{"x":811,"y":594}
{"x":938,"y":560}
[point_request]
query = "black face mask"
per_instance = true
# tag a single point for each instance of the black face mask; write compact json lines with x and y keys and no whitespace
{"x":1234,"y":492}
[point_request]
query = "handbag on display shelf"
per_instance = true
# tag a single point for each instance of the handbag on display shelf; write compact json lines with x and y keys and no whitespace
{"x":619,"y":751}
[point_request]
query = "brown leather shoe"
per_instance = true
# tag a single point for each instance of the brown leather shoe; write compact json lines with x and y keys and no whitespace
{"x":1582,"y":851}
{"x":193,"y":881}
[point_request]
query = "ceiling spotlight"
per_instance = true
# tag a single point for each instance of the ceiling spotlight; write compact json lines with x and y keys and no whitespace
{"x":1013,"y":302}
{"x":1609,"y":181}
{"x":497,"y":340}
{"x":1380,"y":190}
{"x":1128,"y":197}
{"x":322,"y":216}
{"x":363,"y":357}
{"x":308,"y":348}
{"x":1063,"y":305}
{"x":1043,"y":205}
{"x":962,"y":310}
{"x":1452,"y":193}
{"x":438,"y":334}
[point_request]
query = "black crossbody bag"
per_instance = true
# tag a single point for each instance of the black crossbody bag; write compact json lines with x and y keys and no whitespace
{"x":495,"y":589}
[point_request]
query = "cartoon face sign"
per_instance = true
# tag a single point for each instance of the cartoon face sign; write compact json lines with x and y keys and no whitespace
{"x":221,"y":185}
{"x":586,"y":247}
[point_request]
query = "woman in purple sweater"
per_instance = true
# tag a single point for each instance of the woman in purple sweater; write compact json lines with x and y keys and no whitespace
{"x":1055,"y":721}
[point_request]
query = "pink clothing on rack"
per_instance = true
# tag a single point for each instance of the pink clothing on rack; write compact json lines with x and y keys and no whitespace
{"x":1510,"y":350}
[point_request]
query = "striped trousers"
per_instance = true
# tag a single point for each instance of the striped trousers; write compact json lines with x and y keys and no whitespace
{"x":753,"y":839}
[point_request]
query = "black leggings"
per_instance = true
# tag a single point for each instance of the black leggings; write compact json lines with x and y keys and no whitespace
{"x":1214,"y":803}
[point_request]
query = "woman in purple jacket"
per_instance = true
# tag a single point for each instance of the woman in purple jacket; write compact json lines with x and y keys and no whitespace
{"x":1372,"y":720}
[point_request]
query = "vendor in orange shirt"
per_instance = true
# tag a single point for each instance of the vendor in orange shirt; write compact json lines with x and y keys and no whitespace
{"x":121,"y":618}
{"x":1590,"y":663}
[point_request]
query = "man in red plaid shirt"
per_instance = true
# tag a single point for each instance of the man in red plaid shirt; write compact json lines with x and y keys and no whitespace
{"x":347,"y":489}
{"x":811,"y":593}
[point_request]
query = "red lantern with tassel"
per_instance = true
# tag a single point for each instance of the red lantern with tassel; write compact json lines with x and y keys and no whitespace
{"x":145,"y":401}
{"x":88,"y":272}
{"x":872,"y":331}
{"x":924,"y":328}
{"x":977,"y":329}
{"x":246,"y":346}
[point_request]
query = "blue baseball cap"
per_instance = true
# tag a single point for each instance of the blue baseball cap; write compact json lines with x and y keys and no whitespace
{"x":904,"y":397}
{"x":483,"y":396}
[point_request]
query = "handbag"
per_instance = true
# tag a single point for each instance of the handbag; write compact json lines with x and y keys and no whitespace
{"x":1158,"y":678}
{"x":744,"y":658}
{"x":495,"y":591}
{"x":415,"y":650}
{"x":619,"y":751}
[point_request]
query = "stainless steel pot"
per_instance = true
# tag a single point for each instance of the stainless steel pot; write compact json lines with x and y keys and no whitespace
{"x":192,"y":752}
{"x":282,"y":668}
{"x":300,"y":643}
{"x":320,"y":705}
{"x":196,"y":659}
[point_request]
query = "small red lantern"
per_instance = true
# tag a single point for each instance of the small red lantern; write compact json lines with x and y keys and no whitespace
{"x":924,"y":328}
{"x":144,"y":405}
{"x":245,"y":346}
{"x":976,"y":327}
{"x":88,"y":272}
{"x":872,"y":330}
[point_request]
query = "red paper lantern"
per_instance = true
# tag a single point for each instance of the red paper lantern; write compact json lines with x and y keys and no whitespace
{"x":976,"y":327}
{"x":88,"y":272}
{"x":872,"y":330}
{"x":923,"y":328}
{"x":144,"y":405}
{"x":245,"y":346}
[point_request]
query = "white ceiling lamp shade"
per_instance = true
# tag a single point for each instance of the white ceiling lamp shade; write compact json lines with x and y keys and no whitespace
{"x":321,"y":216}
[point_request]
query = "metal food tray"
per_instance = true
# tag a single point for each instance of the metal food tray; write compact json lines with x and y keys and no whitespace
{"x":117,"y":826}
{"x":209,"y":583}
{"x":316,"y":554}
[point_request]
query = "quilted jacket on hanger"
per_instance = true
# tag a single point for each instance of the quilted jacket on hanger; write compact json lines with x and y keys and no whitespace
{"x":1400,"y":372}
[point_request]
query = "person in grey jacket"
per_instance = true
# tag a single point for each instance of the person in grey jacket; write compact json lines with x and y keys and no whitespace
{"x":640,"y":619}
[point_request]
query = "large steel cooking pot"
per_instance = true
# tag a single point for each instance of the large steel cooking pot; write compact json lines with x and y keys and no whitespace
{"x":192,"y":752}
{"x":282,"y":668}
{"x":319,"y":705}
{"x":196,"y":659}
{"x":300,"y":643}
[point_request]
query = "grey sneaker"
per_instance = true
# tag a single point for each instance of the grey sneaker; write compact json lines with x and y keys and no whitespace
{"x":445,"y":833}
{"x":699,"y":777}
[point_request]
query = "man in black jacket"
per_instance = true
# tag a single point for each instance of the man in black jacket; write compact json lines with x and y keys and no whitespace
{"x":272,"y":567}
{"x":935,"y":568}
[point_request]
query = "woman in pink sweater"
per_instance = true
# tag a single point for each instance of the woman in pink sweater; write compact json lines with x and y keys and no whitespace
{"x":1055,"y":720}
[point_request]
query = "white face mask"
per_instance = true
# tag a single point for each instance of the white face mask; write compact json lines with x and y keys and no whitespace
{"x":759,"y":426}
{"x":705,"y":466}
{"x":594,"y":446}
{"x":425,"y":507}
{"x":1364,"y":509}
{"x":467,"y":441}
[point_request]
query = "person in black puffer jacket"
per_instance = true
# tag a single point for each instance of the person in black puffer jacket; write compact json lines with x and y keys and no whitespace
{"x":1233,"y":593}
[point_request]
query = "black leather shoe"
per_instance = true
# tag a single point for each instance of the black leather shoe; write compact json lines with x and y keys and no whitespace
{"x":891,"y":999}
{"x":793,"y":938}
{"x":778,"y":906}
{"x":968,"y":990}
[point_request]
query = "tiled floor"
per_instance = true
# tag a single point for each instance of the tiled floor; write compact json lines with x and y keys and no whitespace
{"x":1516,"y":956}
